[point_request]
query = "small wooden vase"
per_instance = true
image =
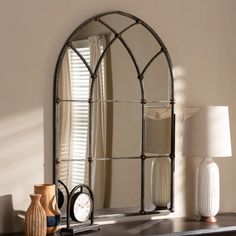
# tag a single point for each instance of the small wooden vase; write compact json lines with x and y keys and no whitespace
{"x":35,"y":220}
{"x":49,"y":204}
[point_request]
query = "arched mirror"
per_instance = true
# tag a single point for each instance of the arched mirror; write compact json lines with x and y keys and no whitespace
{"x":114,"y":124}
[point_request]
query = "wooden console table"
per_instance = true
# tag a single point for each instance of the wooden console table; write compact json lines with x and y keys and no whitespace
{"x":226,"y":225}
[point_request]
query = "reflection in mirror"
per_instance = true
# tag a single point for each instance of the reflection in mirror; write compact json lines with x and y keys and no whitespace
{"x":113,"y":114}
{"x":93,"y":28}
{"x":158,"y":124}
{"x":158,"y":183}
{"x":157,"y":76}
{"x":161,"y":182}
{"x":111,"y":185}
{"x":138,"y":38}
{"x":125,"y":134}
{"x":125,"y":85}
{"x":118,"y":22}
{"x":114,"y":190}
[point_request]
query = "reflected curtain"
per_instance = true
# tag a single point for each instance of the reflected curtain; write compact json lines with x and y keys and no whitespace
{"x":64,"y":122}
{"x":99,"y":122}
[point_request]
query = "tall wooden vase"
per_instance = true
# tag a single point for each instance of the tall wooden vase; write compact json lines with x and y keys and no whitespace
{"x":48,"y":201}
{"x":35,"y":220}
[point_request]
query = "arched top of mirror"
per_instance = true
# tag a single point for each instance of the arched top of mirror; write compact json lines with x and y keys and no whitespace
{"x":134,"y":55}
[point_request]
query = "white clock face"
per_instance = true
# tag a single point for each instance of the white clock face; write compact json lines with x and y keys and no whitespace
{"x":82,"y":207}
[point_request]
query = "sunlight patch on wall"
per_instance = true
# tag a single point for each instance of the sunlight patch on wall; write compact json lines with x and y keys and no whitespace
{"x":180,"y":86}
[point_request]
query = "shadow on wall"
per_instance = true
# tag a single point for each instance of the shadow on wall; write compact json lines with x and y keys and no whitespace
{"x":10,"y":220}
{"x":48,"y":137}
{"x":190,"y":195}
{"x":21,"y":145}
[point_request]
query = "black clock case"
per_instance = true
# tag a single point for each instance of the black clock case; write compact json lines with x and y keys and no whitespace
{"x":71,"y":197}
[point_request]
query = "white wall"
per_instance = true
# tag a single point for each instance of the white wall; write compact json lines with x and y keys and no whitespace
{"x":200,"y":36}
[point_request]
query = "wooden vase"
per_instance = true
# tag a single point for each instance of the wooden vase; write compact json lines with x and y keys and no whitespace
{"x":35,"y":220}
{"x":49,"y":204}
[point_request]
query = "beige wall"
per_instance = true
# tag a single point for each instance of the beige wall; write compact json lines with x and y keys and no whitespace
{"x":200,"y":36}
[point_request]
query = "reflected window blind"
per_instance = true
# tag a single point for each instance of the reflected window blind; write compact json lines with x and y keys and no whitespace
{"x":80,"y":83}
{"x":80,"y":80}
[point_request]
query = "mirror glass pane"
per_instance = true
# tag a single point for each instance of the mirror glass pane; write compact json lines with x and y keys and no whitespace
{"x":113,"y":188}
{"x":122,"y":79}
{"x":91,"y":29}
{"x":74,"y":77}
{"x":157,"y":80}
{"x":72,"y":130}
{"x":123,"y":130}
{"x":158,"y":130}
{"x":117,"y":22}
{"x":142,"y":44}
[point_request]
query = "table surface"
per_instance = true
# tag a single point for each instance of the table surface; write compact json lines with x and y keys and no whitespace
{"x":225,"y":225}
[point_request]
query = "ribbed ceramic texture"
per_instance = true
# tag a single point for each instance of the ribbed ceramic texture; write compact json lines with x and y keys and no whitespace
{"x":161,"y":181}
{"x":35,"y":219}
{"x":208,"y":194}
{"x":49,"y":204}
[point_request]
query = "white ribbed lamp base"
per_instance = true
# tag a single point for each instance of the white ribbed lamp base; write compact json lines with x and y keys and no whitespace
{"x":208,"y":190}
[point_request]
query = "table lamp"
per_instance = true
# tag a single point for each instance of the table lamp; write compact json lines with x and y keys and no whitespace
{"x":207,"y":135}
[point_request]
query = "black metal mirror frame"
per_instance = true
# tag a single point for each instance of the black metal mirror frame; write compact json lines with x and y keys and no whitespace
{"x":143,"y":101}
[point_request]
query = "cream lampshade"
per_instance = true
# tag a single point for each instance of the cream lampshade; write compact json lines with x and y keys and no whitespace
{"x":207,"y":135}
